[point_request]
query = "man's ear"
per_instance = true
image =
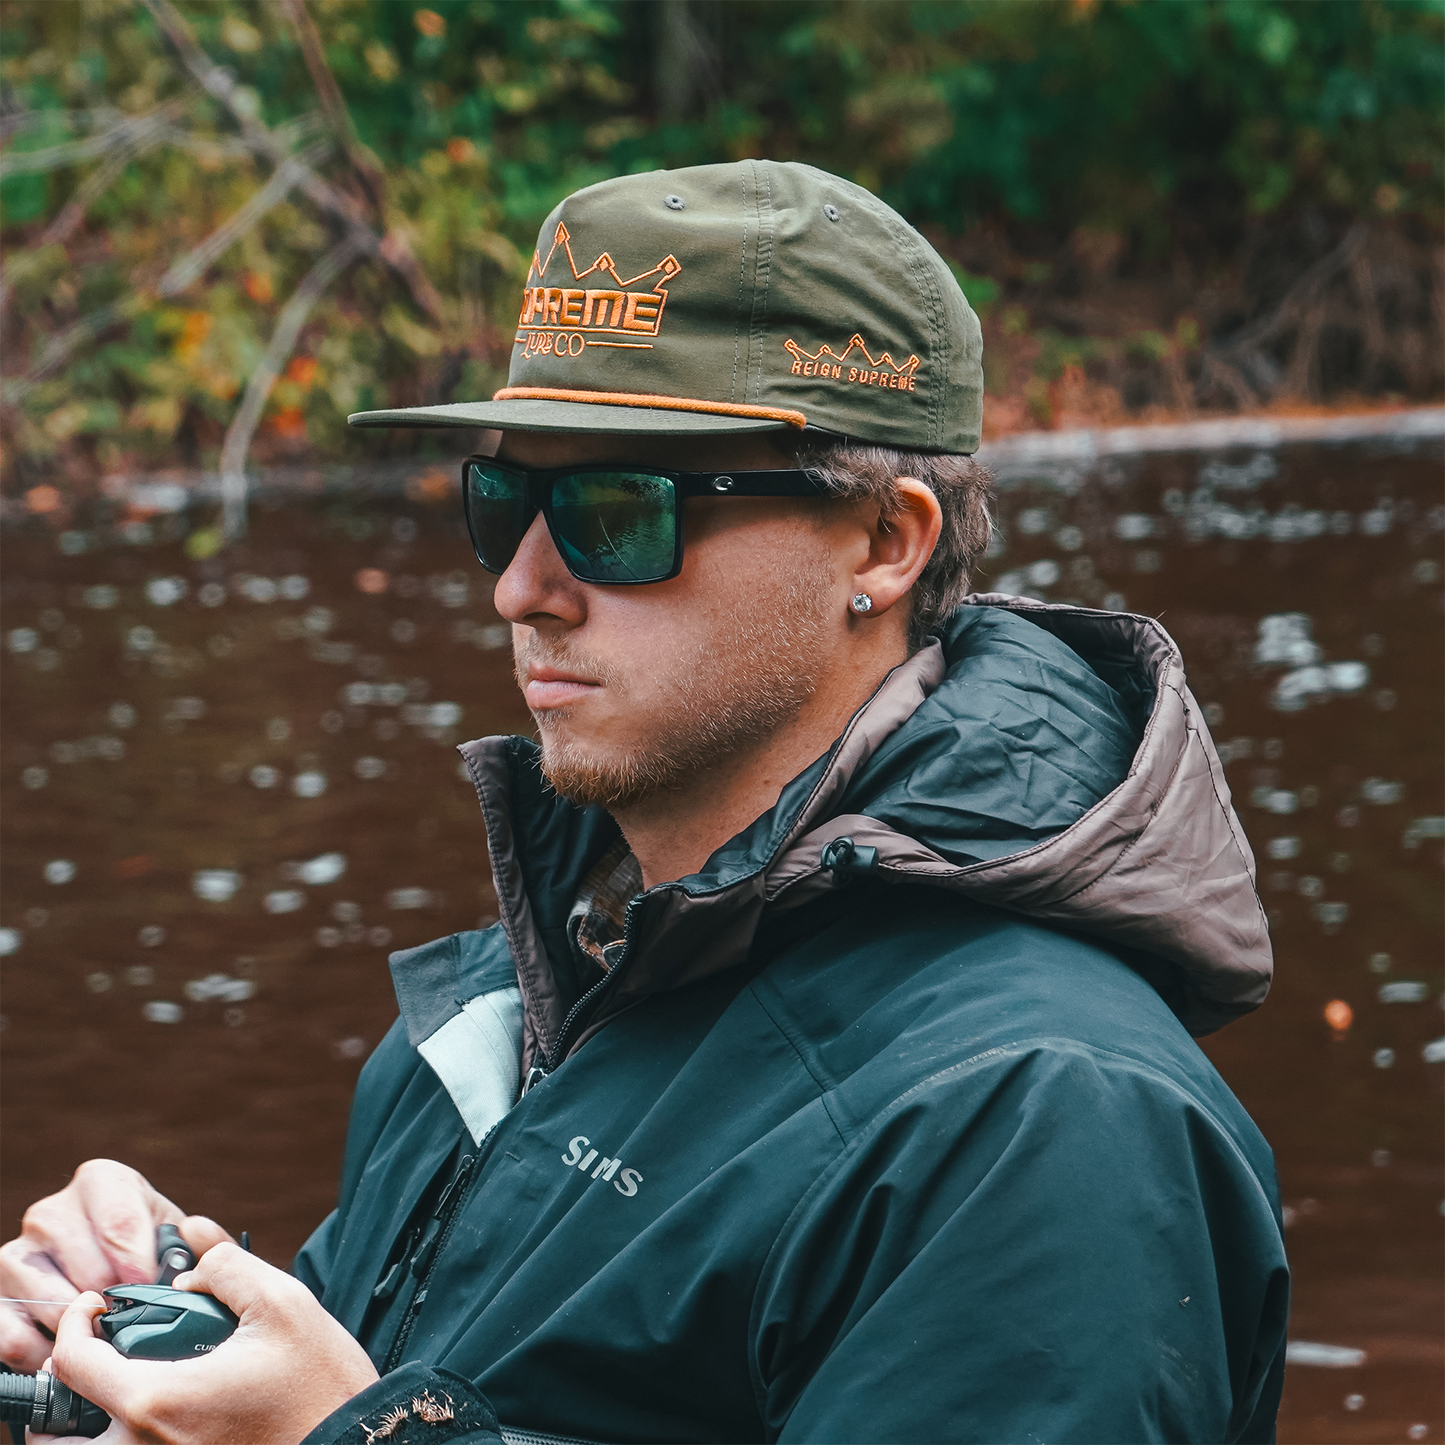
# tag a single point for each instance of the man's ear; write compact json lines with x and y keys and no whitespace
{"x":900,"y":545}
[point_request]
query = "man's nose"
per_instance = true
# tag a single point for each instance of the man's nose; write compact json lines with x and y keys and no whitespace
{"x":537,"y":585}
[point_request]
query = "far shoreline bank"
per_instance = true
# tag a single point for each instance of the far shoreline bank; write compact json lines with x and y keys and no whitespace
{"x":146,"y":494}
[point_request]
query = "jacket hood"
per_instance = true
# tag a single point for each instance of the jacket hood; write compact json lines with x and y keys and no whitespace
{"x":1044,"y":759}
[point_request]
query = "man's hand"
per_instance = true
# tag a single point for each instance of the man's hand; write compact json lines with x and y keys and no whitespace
{"x":286,"y":1368}
{"x":98,"y":1231}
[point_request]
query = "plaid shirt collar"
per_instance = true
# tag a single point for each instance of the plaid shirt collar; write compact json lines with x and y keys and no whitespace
{"x":595,"y":924}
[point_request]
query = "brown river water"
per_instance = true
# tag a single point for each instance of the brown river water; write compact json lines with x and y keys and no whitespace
{"x":229,"y":791}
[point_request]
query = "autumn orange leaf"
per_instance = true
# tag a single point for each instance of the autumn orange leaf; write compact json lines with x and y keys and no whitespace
{"x":301,"y":370}
{"x":43,"y":499}
{"x":290,"y":423}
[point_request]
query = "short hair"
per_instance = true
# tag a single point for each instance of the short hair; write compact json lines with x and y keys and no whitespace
{"x":855,"y":471}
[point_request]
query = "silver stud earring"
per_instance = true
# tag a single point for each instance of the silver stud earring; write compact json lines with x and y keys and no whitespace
{"x":861,"y":602}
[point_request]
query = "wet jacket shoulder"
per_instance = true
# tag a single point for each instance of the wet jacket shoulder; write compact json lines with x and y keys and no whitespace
{"x":904,"y":1139}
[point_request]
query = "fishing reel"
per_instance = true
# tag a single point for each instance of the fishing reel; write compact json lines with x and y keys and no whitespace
{"x":143,"y":1322}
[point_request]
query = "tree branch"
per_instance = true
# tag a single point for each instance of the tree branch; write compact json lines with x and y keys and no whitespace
{"x":18,"y":122}
{"x":395,"y":249}
{"x":1300,"y":296}
{"x":95,"y":185}
{"x":1298,"y":309}
{"x":59,"y":346}
{"x":392,"y":248}
{"x":60,"y":230}
{"x":263,"y":378}
{"x":208,"y":148}
{"x":333,"y":104}
{"x":195,"y":262}
{"x":177,"y":277}
{"x":103,"y":177}
{"x":123,"y":137}
{"x":1215,"y":371}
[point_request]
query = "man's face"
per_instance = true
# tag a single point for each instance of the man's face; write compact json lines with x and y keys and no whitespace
{"x":640,"y":689}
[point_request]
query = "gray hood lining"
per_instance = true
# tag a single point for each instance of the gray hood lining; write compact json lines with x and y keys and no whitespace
{"x":1106,"y":874}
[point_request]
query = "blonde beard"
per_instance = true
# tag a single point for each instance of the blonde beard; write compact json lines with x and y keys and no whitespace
{"x":740,"y":688}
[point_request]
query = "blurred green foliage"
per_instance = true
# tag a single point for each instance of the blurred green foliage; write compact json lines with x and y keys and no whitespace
{"x":1134,"y":130}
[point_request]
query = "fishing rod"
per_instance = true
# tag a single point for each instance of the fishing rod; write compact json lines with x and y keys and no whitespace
{"x":175,"y":1257}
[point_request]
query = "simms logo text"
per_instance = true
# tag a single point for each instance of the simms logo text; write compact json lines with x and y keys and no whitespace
{"x":624,"y":1181}
{"x":565,"y":320}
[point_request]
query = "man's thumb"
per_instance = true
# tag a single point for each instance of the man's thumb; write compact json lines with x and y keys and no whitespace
{"x":239,"y":1280}
{"x":85,"y":1364}
{"x":203,"y":1234}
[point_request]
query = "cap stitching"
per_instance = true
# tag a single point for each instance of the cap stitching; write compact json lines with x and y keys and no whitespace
{"x":925,"y":289}
{"x":651,"y":402}
{"x":940,"y":343}
{"x":906,"y":236}
{"x":945,"y":347}
{"x":742,"y":276}
{"x":764,"y":264}
{"x":941,"y":329}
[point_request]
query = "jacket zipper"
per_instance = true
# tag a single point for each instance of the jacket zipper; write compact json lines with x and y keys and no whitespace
{"x":434,"y":1235}
{"x":531,"y":1437}
{"x":438,"y":1229}
{"x":551,"y":1061}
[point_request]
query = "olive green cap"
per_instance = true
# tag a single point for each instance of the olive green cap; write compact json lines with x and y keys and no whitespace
{"x":752,"y":297}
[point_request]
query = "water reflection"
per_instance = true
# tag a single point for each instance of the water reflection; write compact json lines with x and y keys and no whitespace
{"x":229,"y":790}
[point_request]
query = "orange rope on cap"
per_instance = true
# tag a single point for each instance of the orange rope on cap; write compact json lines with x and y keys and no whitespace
{"x":660,"y":403}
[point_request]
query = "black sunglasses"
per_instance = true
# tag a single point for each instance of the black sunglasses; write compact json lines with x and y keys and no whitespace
{"x":613,"y":524}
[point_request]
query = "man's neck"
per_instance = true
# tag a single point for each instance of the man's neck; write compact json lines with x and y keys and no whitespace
{"x":673,"y":833}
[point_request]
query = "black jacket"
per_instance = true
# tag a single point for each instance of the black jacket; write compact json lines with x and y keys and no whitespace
{"x":912,"y":1147}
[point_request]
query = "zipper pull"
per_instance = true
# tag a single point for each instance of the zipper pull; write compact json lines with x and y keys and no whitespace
{"x":393,"y":1276}
{"x":421,"y":1259}
{"x":424,"y":1251}
{"x":464,"y":1167}
{"x":388,"y":1285}
{"x":534,"y":1075}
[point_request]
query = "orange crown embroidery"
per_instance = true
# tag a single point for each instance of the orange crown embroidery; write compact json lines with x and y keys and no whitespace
{"x":882,"y":371}
{"x":617,"y":308}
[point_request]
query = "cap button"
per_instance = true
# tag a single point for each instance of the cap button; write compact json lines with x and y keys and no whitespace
{"x":674,"y":203}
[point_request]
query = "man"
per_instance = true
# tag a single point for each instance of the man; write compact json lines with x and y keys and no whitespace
{"x":828,"y":1076}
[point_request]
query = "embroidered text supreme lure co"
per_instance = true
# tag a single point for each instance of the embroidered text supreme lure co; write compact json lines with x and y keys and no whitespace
{"x":756,"y":296}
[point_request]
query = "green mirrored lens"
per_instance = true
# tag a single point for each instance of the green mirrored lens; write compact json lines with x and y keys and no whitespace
{"x":615,"y":526}
{"x":496,"y":508}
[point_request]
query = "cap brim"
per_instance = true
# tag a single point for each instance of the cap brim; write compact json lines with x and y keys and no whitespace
{"x":568,"y":416}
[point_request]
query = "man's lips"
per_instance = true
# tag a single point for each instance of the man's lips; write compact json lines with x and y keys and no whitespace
{"x":552,"y":687}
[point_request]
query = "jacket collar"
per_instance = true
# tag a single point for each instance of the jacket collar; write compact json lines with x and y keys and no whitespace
{"x":542,"y":847}
{"x":1154,"y":860}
